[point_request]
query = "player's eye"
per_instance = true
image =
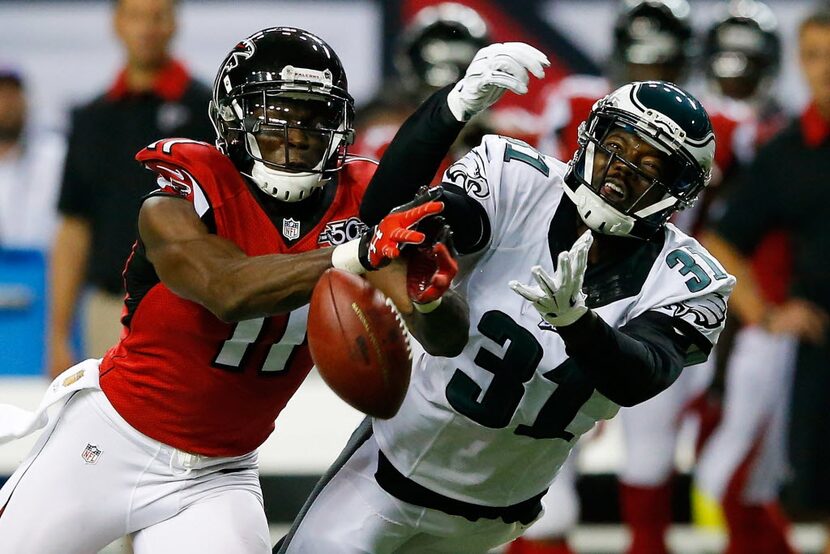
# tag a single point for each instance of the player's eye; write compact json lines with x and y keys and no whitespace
{"x":652,"y":169}
{"x":614,"y":146}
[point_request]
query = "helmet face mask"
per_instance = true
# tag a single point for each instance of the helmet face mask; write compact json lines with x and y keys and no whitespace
{"x":282,"y":112}
{"x":636,"y":165}
{"x":288,"y":131}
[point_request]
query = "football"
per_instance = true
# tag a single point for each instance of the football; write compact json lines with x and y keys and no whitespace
{"x":359,"y":343}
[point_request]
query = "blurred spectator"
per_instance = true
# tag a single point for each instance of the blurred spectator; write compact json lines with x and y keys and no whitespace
{"x":152,"y":97}
{"x":740,"y":469}
{"x":785,"y":187}
{"x":30,"y":164}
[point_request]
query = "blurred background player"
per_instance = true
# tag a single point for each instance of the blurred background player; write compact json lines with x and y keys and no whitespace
{"x":432,"y":52}
{"x":652,"y":39}
{"x":784,"y":189}
{"x":742,"y":465}
{"x":152,"y":97}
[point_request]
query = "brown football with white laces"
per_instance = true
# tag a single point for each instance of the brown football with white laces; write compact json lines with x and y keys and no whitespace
{"x":359,"y":343}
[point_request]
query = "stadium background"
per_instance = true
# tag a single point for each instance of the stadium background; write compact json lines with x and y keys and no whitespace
{"x":67,"y":52}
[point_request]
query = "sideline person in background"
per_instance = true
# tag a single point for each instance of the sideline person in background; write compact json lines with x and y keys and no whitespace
{"x":786,"y":188}
{"x":152,"y":97}
{"x":741,"y":464}
{"x":30,"y":162}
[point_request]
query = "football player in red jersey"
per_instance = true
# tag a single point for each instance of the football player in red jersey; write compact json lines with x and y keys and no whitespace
{"x":159,"y":438}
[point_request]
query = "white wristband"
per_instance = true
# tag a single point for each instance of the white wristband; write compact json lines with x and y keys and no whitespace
{"x":345,"y":257}
{"x":428,"y":306}
{"x":456,"y":104}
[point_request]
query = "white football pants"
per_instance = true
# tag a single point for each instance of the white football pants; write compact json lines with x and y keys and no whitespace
{"x":561,"y":504}
{"x":758,"y":383}
{"x":650,"y":429}
{"x":352,"y":514}
{"x":92,"y":478}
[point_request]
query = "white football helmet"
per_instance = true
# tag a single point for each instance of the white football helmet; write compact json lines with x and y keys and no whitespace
{"x":668,"y":119}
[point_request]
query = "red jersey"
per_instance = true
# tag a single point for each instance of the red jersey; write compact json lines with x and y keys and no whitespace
{"x":181,"y":375}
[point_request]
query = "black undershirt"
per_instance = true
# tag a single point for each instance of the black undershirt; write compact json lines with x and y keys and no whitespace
{"x":627,"y":365}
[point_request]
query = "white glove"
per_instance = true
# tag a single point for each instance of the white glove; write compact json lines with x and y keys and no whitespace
{"x":560,"y":299}
{"x":494,"y":69}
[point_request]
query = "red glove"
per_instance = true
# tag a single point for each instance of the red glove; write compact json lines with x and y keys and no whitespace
{"x":396,"y":230}
{"x":430,"y":270}
{"x":381,"y":244}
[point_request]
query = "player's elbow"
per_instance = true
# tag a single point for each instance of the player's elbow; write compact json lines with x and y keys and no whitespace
{"x":227,"y":301}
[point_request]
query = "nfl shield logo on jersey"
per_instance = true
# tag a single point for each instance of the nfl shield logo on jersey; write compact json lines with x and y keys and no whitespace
{"x":91,"y":454}
{"x":290,"y":229}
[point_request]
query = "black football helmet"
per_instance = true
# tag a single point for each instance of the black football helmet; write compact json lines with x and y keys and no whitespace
{"x":742,"y":50}
{"x":282,"y":111}
{"x":436,"y":48}
{"x":652,"y":40}
{"x":674,"y":125}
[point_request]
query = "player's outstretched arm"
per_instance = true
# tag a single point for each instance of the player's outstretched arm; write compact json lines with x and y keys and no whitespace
{"x":423,"y":141}
{"x":419,"y":284}
{"x":628,"y":365}
{"x":445,"y":330}
{"x":216,"y":273}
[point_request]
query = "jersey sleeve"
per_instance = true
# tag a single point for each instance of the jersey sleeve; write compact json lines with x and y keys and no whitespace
{"x":182,"y":169}
{"x":690,"y":290}
{"x":507,"y":178}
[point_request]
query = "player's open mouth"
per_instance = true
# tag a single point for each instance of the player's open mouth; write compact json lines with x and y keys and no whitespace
{"x":614,"y":191}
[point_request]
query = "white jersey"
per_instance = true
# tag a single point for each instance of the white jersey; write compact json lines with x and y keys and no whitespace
{"x":493,"y":425}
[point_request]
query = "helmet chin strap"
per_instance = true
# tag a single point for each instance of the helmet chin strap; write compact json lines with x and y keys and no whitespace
{"x":285,"y":186}
{"x":594,"y":211}
{"x":598,"y":214}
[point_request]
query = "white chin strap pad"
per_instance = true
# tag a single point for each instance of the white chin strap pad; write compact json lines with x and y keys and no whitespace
{"x":598,"y":214}
{"x":284,"y":186}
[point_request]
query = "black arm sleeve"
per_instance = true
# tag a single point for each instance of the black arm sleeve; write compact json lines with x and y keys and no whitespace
{"x":467,"y":219}
{"x":412,"y":158}
{"x":631,"y":364}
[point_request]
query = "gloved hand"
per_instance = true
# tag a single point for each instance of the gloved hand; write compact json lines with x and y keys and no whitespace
{"x":559,"y":299}
{"x":495,"y":68}
{"x":431,"y":269}
{"x":381,"y":244}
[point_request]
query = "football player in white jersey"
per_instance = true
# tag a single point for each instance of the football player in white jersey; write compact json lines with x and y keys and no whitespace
{"x":620,"y":301}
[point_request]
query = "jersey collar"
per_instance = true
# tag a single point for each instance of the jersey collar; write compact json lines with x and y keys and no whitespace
{"x":620,"y":276}
{"x":170,"y":83}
